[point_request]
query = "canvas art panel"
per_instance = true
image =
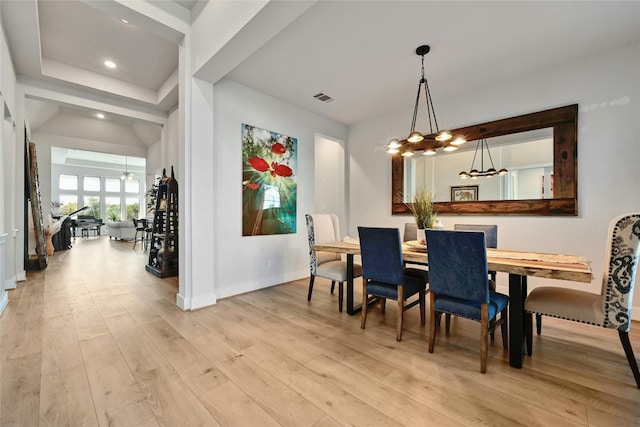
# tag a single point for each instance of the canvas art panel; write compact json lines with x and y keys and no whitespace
{"x":269,"y":186}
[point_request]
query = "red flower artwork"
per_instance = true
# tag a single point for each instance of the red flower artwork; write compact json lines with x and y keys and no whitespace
{"x":269,"y":187}
{"x":282,"y":170}
{"x":259,"y":164}
{"x":278,"y":148}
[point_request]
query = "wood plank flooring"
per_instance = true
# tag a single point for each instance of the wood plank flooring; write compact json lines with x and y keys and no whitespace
{"x":95,"y":340}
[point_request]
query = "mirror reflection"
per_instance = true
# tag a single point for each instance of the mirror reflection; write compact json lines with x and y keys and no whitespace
{"x":528,"y":157}
{"x":535,"y":186}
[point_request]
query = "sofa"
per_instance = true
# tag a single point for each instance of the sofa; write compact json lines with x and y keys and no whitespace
{"x":121,"y":230}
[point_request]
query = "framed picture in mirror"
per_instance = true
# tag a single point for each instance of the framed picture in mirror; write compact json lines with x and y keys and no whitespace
{"x":467,"y":193}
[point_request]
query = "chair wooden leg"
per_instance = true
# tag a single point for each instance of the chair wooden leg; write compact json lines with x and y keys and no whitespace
{"x":504,"y":327}
{"x":538,"y":323}
{"x":383,"y":305}
{"x":438,"y":318}
{"x":432,"y":320}
{"x":311,"y":279}
{"x":447,"y":322}
{"x":333,"y":286}
{"x":628,"y":350}
{"x":421,"y":295}
{"x":484,"y":336}
{"x":400,"y":313}
{"x":365,"y":297}
{"x":528,"y":331}
{"x":340,"y":295}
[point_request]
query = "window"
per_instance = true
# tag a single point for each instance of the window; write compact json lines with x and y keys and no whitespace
{"x":68,"y":182}
{"x":91,"y":183}
{"x":133,"y":207}
{"x":132,"y":186}
{"x":112,"y":205}
{"x":68,"y":203}
{"x":112,"y":185}
{"x":94,"y":206}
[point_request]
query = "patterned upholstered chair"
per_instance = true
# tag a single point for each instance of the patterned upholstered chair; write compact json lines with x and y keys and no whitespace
{"x":384,"y":277}
{"x":459,"y":285}
{"x":324,"y":228}
{"x":611,"y":308}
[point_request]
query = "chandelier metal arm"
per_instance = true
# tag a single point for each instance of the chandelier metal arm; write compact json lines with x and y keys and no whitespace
{"x":415,"y":109}
{"x":489,"y":152}
{"x":430,"y":108}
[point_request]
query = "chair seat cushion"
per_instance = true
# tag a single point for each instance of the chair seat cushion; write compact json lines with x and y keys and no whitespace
{"x":412,"y":285}
{"x":471,"y":309}
{"x":567,"y":304}
{"x":337,"y":270}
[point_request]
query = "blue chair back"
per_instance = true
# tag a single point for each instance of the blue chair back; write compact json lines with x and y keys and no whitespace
{"x":490,"y":232}
{"x":458,"y":264}
{"x":381,"y":252}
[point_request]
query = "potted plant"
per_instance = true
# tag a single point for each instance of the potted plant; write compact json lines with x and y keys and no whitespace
{"x":422,"y":208}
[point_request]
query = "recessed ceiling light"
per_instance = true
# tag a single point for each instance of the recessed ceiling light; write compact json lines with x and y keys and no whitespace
{"x":110,"y":64}
{"x":100,"y":116}
{"x":124,"y":20}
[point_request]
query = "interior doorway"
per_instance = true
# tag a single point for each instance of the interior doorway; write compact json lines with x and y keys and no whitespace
{"x":330,"y":178}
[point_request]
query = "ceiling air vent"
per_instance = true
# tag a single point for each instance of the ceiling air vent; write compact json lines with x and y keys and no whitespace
{"x":323,"y":97}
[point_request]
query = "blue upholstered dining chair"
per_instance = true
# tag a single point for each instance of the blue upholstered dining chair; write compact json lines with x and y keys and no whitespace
{"x":325,"y":228}
{"x":611,"y":308}
{"x":459,"y":285}
{"x":384,"y":277}
{"x":490,"y":236}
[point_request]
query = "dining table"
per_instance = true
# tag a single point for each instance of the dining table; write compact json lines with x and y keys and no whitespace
{"x":518,"y":264}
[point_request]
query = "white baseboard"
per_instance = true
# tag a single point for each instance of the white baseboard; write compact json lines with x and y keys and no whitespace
{"x":4,"y":300}
{"x":187,"y":304}
{"x":243,"y":288}
{"x":21,"y":276}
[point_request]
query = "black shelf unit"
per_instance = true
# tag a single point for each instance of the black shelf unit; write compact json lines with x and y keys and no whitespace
{"x":163,"y":252}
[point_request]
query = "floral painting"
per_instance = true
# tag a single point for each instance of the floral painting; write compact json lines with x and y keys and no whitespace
{"x":269,"y":187}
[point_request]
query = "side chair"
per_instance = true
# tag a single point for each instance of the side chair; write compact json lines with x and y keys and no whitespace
{"x":611,"y":308}
{"x":324,"y":228}
{"x":490,"y":235}
{"x":384,"y":277}
{"x":459,"y":285}
{"x":141,"y":226}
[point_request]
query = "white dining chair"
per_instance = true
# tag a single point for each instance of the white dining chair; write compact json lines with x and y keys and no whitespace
{"x":325,"y":228}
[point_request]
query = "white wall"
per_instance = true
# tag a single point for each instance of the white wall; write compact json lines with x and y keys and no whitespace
{"x":242,"y":263}
{"x":606,"y":86}
{"x":9,"y":241}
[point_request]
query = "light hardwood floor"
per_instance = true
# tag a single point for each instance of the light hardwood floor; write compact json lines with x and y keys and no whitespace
{"x":96,"y":340}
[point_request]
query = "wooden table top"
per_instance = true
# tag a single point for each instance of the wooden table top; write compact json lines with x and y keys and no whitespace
{"x":565,"y":267}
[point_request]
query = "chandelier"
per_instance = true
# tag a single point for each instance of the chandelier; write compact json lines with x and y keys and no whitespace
{"x":126,"y":175}
{"x":475,"y":173}
{"x":430,"y":142}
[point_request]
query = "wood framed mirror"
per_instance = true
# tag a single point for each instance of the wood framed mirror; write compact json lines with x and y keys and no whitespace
{"x":564,"y":123}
